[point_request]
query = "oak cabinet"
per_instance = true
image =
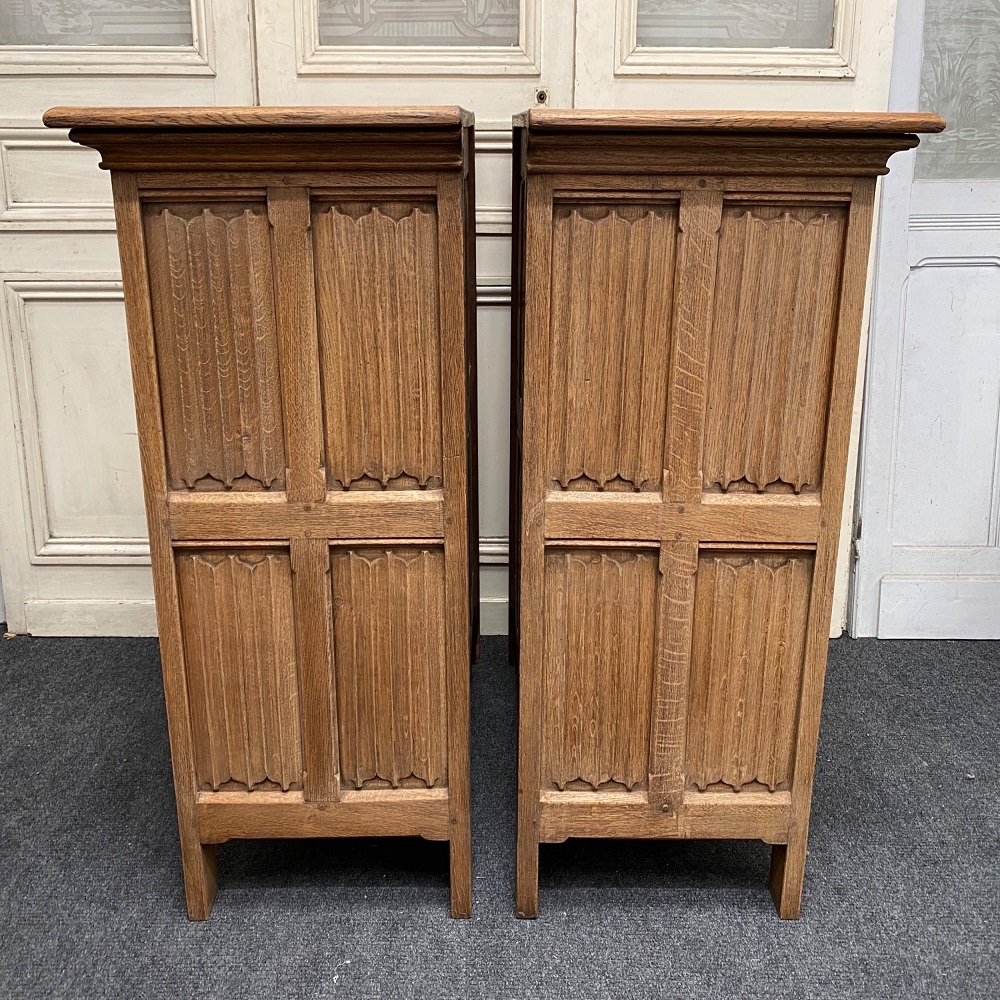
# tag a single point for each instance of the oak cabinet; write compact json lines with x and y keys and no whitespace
{"x":297,"y":286}
{"x":688,"y":298}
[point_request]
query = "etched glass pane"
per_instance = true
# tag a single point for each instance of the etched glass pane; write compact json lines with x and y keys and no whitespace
{"x":961,"y":81}
{"x":95,"y":22}
{"x":725,"y":24}
{"x":418,"y":22}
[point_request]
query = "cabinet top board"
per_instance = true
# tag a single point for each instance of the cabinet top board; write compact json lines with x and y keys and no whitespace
{"x":216,"y":140}
{"x":262,"y":118}
{"x":734,"y":121}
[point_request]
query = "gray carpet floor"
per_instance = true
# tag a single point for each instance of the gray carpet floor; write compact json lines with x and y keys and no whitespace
{"x":902,"y":895}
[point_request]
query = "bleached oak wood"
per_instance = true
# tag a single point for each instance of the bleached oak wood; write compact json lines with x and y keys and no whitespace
{"x":647,"y":120}
{"x":689,"y":300}
{"x":302,"y":364}
{"x":188,"y":119}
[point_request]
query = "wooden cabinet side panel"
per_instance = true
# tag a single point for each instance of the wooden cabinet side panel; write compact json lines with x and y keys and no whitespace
{"x":770,"y":366}
{"x":238,"y":618}
{"x":751,"y":610}
{"x":211,"y":285}
{"x":600,"y":614}
{"x":609,"y":343}
{"x":380,"y":341}
{"x":389,"y":641}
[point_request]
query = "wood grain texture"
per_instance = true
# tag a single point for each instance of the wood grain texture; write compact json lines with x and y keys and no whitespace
{"x":225,"y":279}
{"x":678,"y":566}
{"x":194,"y":118}
{"x":198,"y":863}
{"x":610,"y":344}
{"x":533,"y":486}
{"x":697,"y":264}
{"x":213,"y":306}
{"x":772,"y":343}
{"x":452,"y":258}
{"x":239,"y":627}
{"x":738,"y":531}
{"x":295,"y":301}
{"x":380,"y":343}
{"x":771,"y":122}
{"x":700,"y":816}
{"x":389,"y":647}
{"x":746,"y":668}
{"x":788,"y":862}
{"x":310,"y":560}
{"x":248,"y":516}
{"x":599,"y":632}
{"x":413,"y":812}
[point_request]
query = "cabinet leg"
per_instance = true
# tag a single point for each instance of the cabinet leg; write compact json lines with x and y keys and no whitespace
{"x":460,"y":862}
{"x":527,"y":874}
{"x":788,"y":864}
{"x":201,"y":881}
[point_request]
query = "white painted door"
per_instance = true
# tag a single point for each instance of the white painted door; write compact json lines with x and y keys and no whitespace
{"x":494,"y":57}
{"x":498,"y":57}
{"x":929,"y":546}
{"x":73,"y":556}
{"x":823,"y":55}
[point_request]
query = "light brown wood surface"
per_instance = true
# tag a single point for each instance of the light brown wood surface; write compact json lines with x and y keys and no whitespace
{"x":688,"y":291}
{"x":187,"y":119}
{"x":650,"y":119}
{"x":303,"y":372}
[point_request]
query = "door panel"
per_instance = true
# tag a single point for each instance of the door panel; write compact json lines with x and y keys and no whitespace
{"x":389,"y":650}
{"x":600,"y":616}
{"x":375,"y":337}
{"x":73,"y":555}
{"x":748,"y":652}
{"x":783,"y":263}
{"x":496,"y":58}
{"x":490,"y":58}
{"x":753,"y":54}
{"x":929,"y":551}
{"x":238,"y":620}
{"x":217,"y":344}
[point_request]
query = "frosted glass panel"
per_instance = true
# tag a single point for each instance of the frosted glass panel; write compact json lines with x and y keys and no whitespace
{"x":95,"y":22}
{"x":961,"y":81}
{"x":799,"y":24}
{"x":418,"y":22}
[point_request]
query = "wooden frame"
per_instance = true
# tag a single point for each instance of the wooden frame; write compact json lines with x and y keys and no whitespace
{"x":307,"y":436}
{"x":677,"y":510}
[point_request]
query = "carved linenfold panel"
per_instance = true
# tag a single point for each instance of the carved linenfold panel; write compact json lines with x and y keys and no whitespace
{"x":216,"y":345}
{"x":380,"y":344}
{"x":751,"y":611}
{"x":241,"y":666}
{"x":609,"y":344}
{"x":389,"y":654}
{"x":600,"y":611}
{"x":771,"y":348}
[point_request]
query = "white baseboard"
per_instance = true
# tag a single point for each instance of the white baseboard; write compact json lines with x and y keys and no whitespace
{"x":81,"y":617}
{"x":943,"y":608}
{"x":493,"y":616}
